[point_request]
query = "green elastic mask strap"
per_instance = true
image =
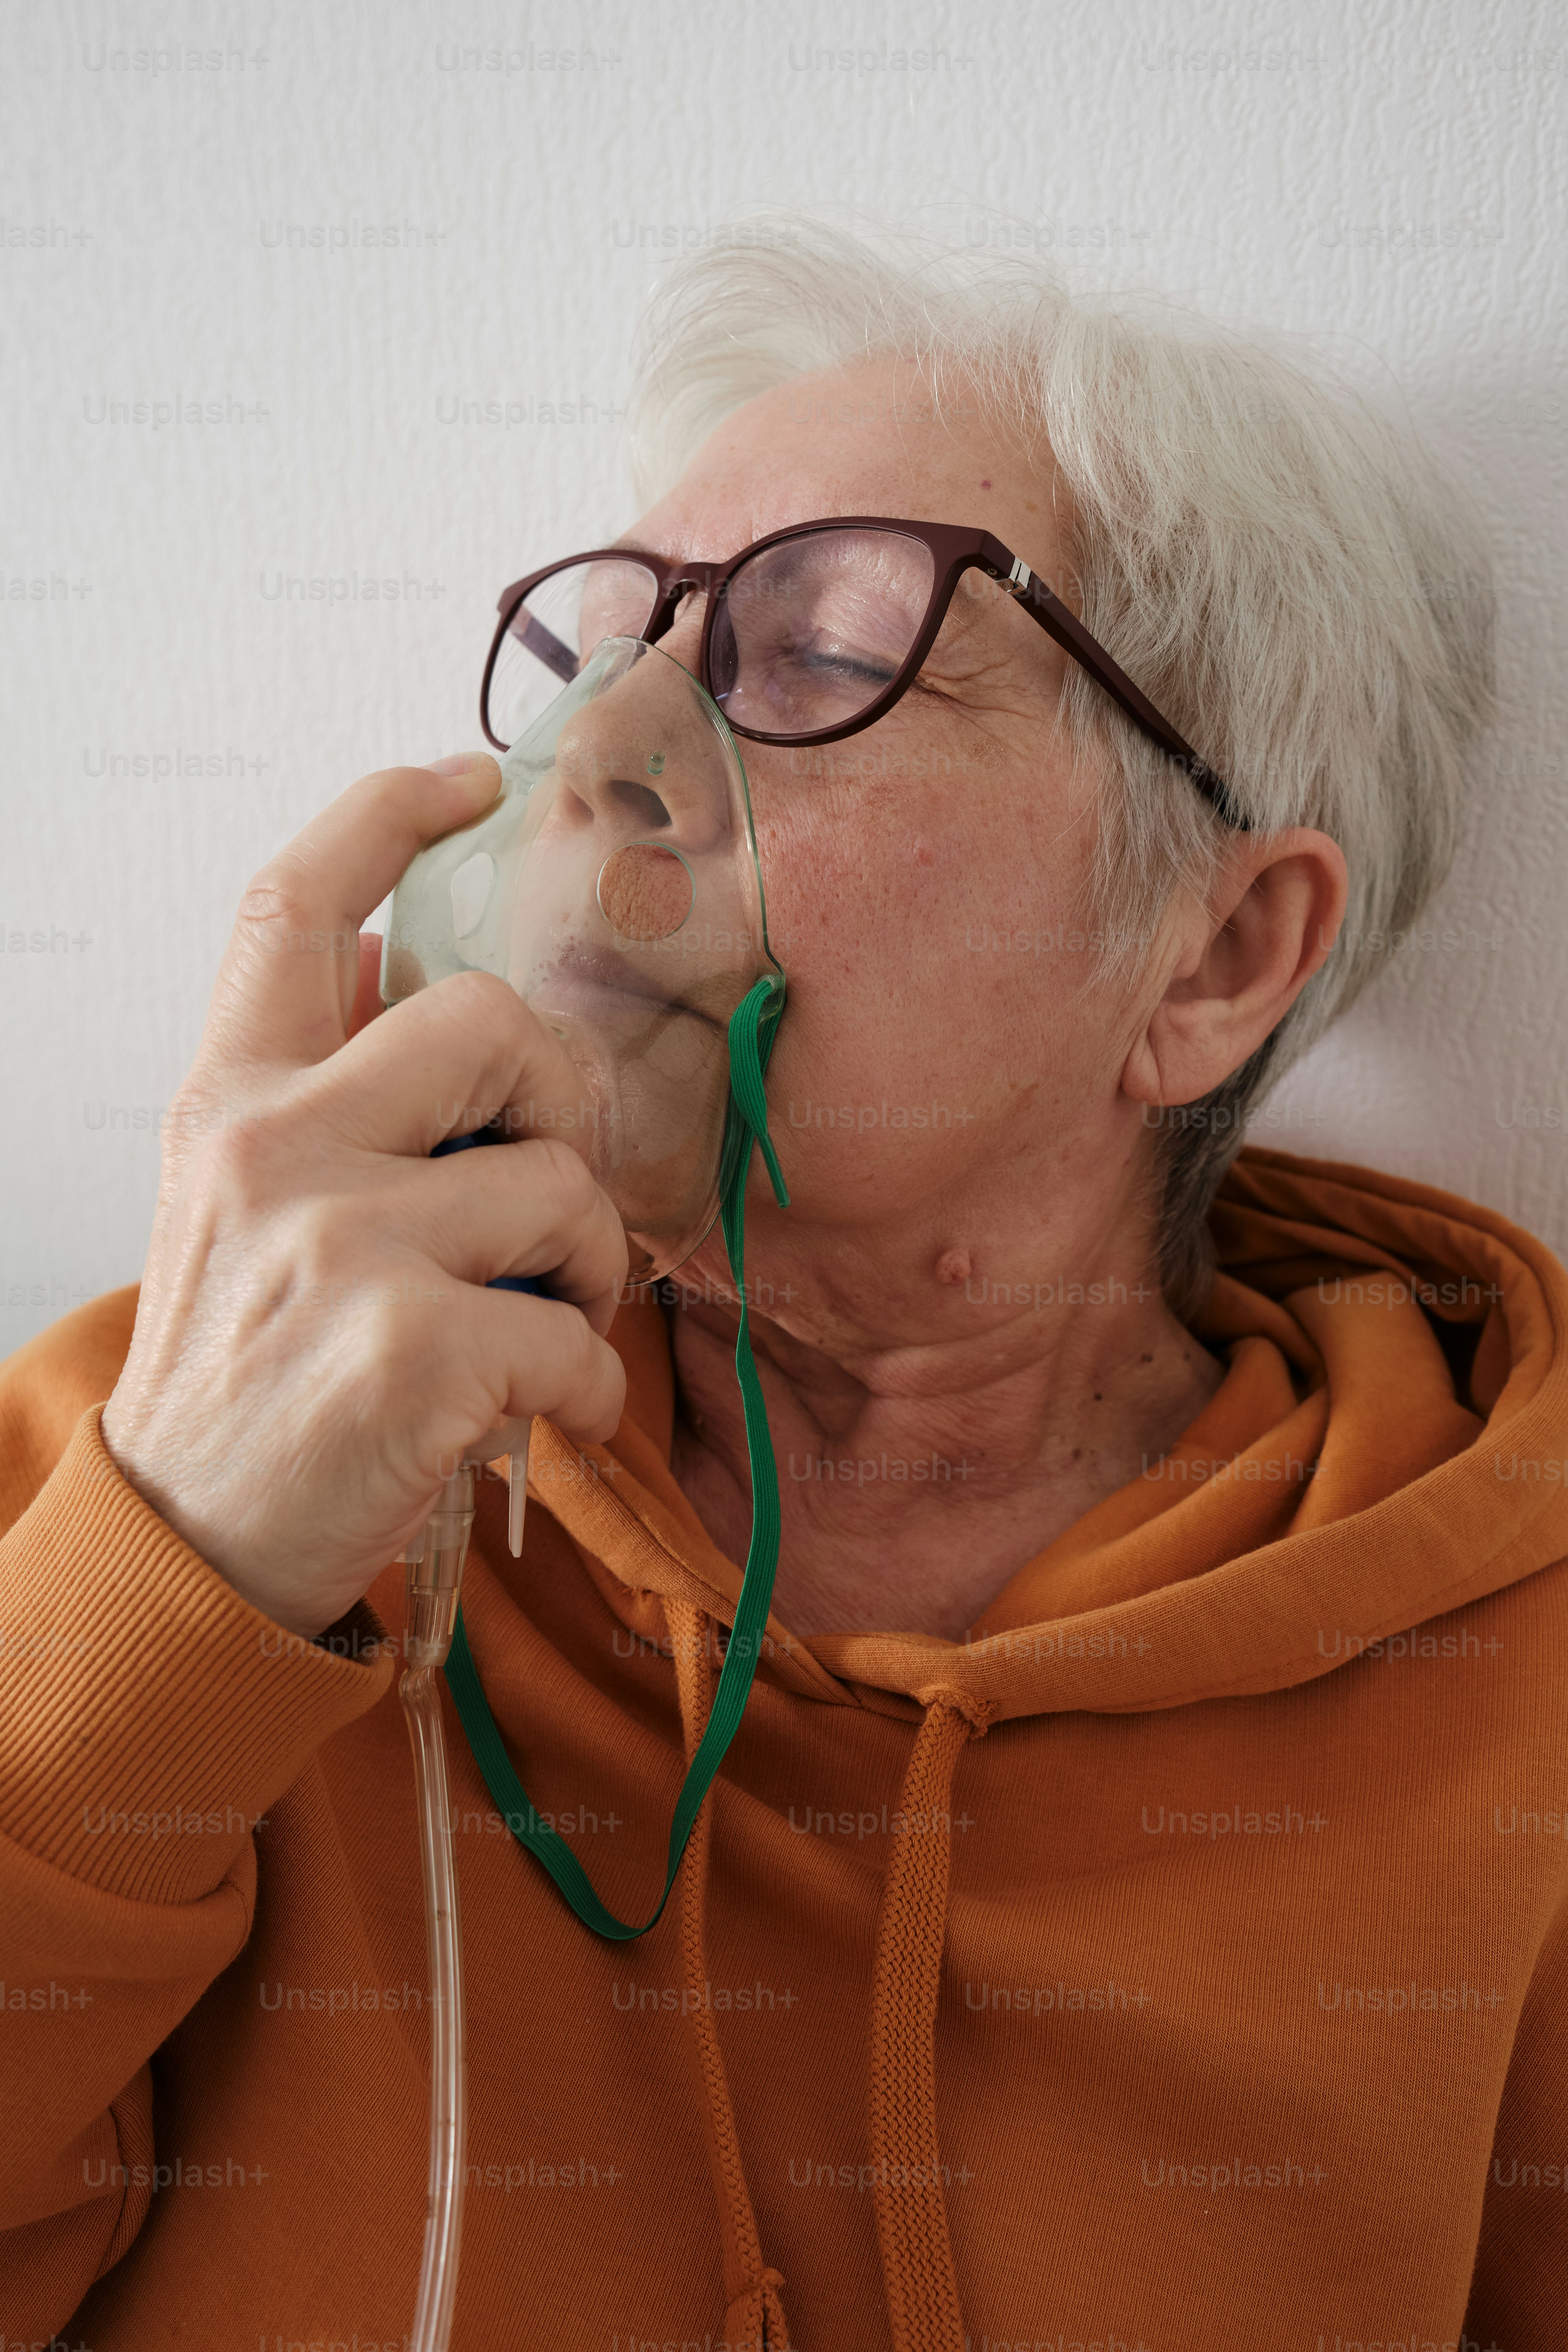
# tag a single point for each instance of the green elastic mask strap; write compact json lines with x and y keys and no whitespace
{"x":752,"y":1029}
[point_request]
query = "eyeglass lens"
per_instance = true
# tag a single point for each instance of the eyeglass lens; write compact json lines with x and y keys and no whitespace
{"x":553,"y":631}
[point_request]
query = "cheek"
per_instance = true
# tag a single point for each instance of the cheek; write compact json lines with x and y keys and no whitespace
{"x":933,"y":992}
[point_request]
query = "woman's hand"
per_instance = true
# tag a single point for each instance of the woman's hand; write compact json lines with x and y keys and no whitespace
{"x":314,"y":1340}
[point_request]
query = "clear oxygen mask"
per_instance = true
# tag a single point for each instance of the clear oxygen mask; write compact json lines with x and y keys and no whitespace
{"x":614,"y":885}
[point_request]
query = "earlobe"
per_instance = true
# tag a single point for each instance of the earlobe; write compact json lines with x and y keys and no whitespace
{"x":1154,"y":1069}
{"x":1141,"y":1073}
{"x":1181,"y":1052}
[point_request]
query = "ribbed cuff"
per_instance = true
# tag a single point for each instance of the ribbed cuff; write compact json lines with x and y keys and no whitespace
{"x":152,"y":1716}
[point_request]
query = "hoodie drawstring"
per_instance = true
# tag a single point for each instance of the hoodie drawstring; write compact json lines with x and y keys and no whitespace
{"x":754,"y":2320}
{"x":907,"y":2176}
{"x":911,"y":2212}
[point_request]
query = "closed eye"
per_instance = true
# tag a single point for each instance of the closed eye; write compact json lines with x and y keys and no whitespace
{"x":847,"y":666}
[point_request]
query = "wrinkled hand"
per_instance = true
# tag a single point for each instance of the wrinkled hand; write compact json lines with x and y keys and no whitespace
{"x":314,"y":1341}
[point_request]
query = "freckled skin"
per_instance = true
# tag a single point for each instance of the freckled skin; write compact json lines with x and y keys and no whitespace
{"x":896,"y":866}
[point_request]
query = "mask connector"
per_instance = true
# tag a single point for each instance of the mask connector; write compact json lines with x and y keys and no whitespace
{"x":435,"y":1561}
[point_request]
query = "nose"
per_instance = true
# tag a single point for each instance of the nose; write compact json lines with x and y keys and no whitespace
{"x":643,"y":760}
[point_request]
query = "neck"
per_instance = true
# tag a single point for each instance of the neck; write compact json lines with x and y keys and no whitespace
{"x":918,"y":1474}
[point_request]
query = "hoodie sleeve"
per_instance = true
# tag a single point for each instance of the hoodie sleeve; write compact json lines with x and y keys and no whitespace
{"x":151,"y":1717}
{"x":1519,"y":2295}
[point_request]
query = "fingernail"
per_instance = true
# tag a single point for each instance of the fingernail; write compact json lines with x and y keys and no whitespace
{"x":458,"y":764}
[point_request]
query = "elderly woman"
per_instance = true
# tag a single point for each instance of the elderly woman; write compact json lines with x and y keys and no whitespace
{"x":1125,"y":1916}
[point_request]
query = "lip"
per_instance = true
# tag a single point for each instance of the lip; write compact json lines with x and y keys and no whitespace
{"x":590,"y":981}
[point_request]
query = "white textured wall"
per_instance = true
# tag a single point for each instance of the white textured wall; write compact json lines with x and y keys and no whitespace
{"x":1359,"y":169}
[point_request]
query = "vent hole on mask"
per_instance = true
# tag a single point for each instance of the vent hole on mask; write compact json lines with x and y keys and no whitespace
{"x":644,"y":890}
{"x":470,"y":893}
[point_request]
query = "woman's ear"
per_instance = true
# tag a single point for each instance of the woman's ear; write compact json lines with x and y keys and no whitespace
{"x":1240,"y":963}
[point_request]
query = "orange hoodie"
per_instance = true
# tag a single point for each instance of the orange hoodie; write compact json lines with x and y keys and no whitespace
{"x":1180,"y":1962}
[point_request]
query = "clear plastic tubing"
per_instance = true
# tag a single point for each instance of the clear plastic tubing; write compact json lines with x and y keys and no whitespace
{"x":435,"y":1560}
{"x":434,"y":1578}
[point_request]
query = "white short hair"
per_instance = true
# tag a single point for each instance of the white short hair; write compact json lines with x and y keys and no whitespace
{"x":1288,"y":575}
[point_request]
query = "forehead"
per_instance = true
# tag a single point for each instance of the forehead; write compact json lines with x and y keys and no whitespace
{"x":875,"y":439}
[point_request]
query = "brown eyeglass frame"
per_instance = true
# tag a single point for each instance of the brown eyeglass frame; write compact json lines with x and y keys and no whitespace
{"x":954,"y":551}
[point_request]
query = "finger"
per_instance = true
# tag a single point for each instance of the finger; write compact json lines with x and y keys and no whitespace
{"x":537,"y":1355}
{"x":523,"y":1208}
{"x":287,"y":982}
{"x":461,"y":1054}
{"x":367,"y":1002}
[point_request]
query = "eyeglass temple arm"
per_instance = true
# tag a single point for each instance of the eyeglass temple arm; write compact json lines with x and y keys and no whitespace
{"x":1064,"y":625}
{"x":549,"y":647}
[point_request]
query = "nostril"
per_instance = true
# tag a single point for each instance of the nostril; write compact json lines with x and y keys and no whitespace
{"x":644,"y":807}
